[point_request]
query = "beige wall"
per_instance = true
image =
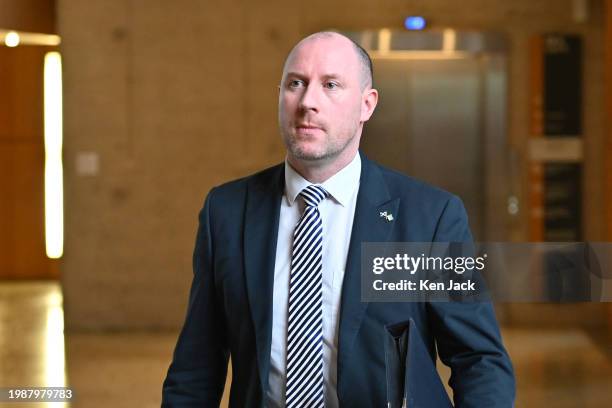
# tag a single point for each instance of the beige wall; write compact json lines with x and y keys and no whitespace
{"x":177,"y":96}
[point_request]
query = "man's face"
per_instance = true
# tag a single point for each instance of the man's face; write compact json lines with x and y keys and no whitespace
{"x":321,"y":100}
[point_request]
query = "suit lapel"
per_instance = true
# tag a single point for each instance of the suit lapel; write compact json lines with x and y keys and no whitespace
{"x":264,"y":195}
{"x":368,"y":226}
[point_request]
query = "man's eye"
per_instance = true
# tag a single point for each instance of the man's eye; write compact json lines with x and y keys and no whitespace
{"x":295,"y":83}
{"x":331,"y":85}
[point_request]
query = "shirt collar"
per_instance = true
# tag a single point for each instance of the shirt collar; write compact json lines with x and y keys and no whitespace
{"x":340,"y":186}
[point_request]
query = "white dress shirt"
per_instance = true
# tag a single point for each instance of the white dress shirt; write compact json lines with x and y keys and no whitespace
{"x":337,"y":213}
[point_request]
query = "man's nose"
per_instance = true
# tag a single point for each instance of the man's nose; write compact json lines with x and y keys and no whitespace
{"x":310,"y":98}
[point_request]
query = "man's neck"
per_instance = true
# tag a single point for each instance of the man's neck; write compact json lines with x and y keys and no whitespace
{"x":318,"y":171}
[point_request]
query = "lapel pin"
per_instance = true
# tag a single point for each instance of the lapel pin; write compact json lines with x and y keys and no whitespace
{"x":388,"y":217}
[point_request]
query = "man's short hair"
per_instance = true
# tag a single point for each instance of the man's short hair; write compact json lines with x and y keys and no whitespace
{"x":367,"y":71}
{"x":366,"y":63}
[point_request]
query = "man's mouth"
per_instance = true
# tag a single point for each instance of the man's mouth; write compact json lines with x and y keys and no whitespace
{"x":308,"y":126}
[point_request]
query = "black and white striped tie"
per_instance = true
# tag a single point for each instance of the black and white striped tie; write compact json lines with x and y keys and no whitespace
{"x":305,"y":317}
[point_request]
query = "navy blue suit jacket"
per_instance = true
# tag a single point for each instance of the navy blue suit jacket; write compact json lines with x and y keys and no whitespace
{"x":230,"y":303}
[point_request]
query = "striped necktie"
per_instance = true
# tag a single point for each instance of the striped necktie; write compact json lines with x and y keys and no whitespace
{"x":305,"y":317}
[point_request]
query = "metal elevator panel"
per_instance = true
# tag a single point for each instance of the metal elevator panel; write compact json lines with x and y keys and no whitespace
{"x":441,"y":118}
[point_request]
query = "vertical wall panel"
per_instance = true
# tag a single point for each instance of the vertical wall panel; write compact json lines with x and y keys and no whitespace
{"x":22,"y":240}
{"x":608,"y":136}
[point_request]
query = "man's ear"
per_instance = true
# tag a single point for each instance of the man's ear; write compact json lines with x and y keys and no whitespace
{"x":369,"y":101}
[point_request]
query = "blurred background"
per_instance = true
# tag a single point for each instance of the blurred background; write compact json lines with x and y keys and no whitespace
{"x":118,"y":116}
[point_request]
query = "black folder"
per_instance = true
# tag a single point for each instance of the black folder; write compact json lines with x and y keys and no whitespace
{"x":412,"y":378}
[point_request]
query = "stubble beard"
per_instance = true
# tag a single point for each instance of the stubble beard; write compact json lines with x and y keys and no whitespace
{"x":332,"y":147}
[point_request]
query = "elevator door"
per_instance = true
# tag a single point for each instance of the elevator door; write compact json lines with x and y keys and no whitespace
{"x":431,"y":123}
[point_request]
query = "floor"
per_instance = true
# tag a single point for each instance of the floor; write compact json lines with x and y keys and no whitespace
{"x":560,"y":368}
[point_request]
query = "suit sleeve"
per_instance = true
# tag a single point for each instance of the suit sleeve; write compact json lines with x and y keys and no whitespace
{"x":467,"y":334}
{"x":196,"y":376}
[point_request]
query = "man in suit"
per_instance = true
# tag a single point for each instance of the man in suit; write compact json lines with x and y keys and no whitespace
{"x":276,"y":281}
